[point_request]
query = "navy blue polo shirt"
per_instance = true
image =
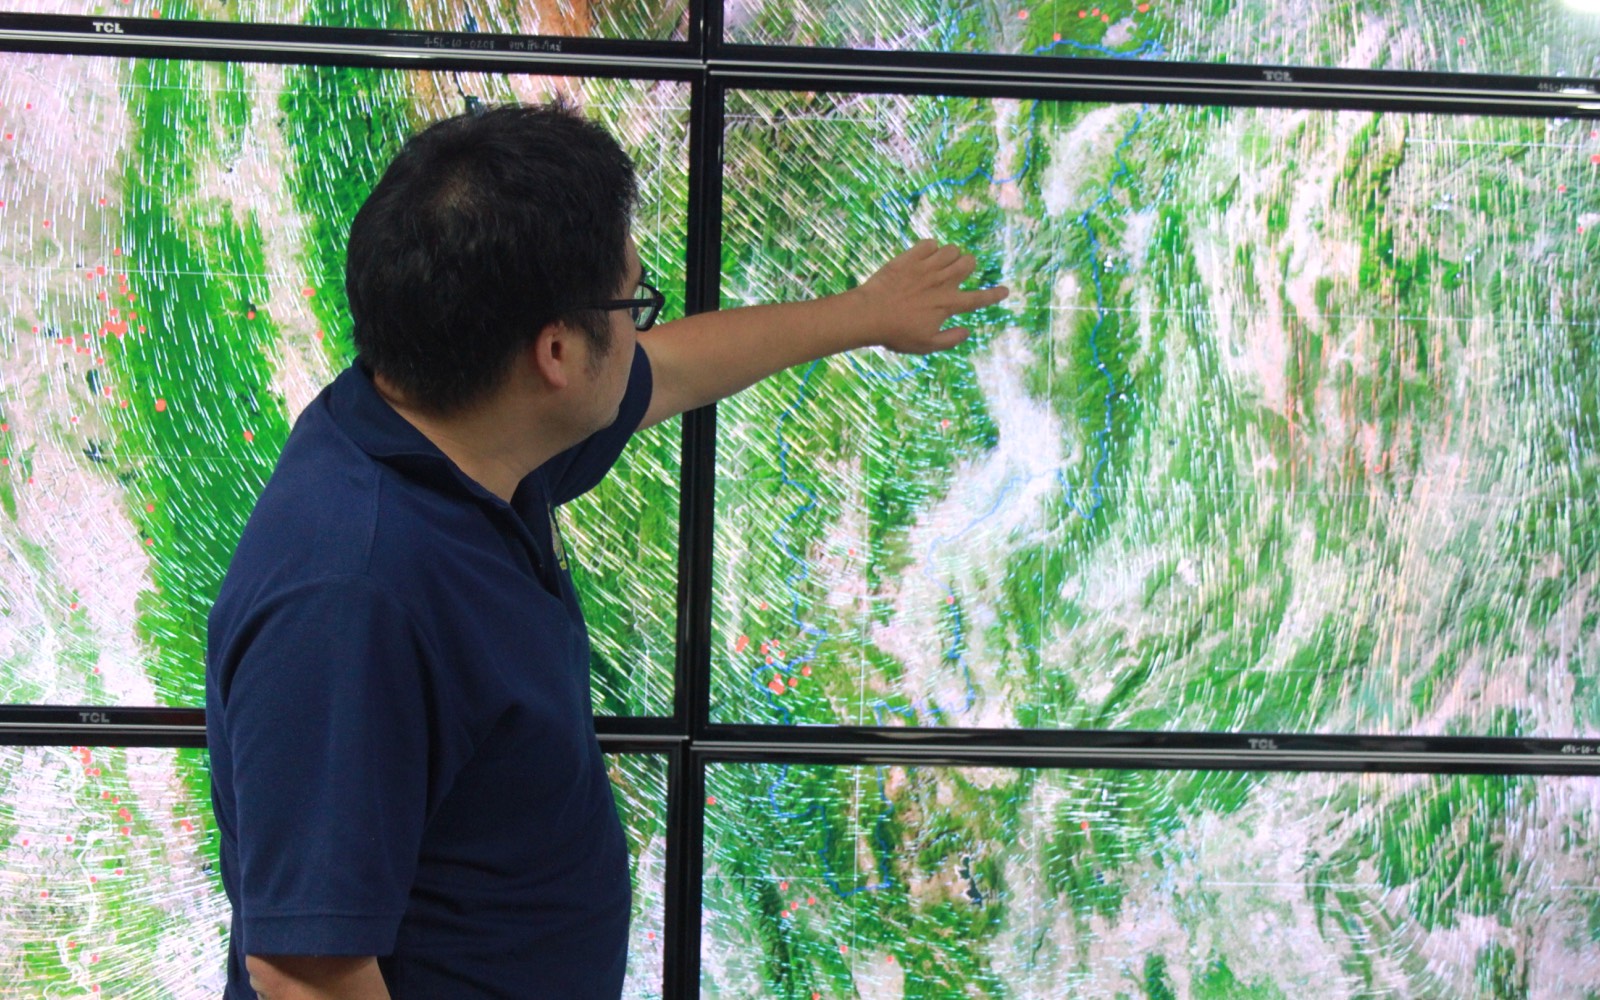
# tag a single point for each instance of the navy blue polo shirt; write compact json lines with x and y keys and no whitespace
{"x":403,"y":754}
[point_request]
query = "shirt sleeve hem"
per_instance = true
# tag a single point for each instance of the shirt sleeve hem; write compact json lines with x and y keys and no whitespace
{"x":319,"y":934}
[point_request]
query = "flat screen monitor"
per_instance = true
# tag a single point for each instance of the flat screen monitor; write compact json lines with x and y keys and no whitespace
{"x":111,"y":884}
{"x":171,"y":280}
{"x":648,"y":20}
{"x":1541,"y":37}
{"x":942,"y":881}
{"x":1289,"y":424}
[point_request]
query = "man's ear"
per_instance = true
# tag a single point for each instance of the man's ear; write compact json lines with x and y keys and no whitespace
{"x":552,"y":354}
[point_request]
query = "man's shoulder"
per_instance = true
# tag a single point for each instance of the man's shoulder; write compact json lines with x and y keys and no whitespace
{"x":328,"y":511}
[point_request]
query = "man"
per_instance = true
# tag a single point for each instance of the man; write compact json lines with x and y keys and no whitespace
{"x":410,"y":795}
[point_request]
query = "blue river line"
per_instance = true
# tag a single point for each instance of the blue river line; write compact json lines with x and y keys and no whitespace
{"x":1097,"y":271}
{"x":885,"y":879}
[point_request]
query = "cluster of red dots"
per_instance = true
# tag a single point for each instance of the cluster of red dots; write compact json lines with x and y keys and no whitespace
{"x":772,"y":652}
{"x":1085,"y":13}
{"x":795,"y":904}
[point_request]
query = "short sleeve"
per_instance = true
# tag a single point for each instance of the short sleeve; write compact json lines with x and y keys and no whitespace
{"x":580,"y":468}
{"x":325,"y":717}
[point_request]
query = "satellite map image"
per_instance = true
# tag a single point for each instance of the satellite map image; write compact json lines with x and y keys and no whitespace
{"x":1534,"y":37}
{"x":171,"y":281}
{"x":1288,"y":423}
{"x":888,"y":882}
{"x":111,"y":886}
{"x":171,"y":278}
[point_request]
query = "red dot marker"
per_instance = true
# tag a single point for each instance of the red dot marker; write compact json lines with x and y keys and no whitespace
{"x":250,"y":315}
{"x":161,"y":406}
{"x":806,"y":670}
{"x":741,"y":643}
{"x":711,"y":800}
{"x":249,"y":436}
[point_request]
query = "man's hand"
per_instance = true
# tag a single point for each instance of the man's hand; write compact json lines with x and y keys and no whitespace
{"x":302,"y":977}
{"x":908,"y":300}
{"x":712,"y":355}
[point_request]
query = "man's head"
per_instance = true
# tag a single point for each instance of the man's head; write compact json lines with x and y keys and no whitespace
{"x":486,"y":228}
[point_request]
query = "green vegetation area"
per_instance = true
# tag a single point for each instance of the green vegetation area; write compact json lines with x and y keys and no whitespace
{"x":825,"y":879}
{"x":131,"y":863}
{"x":1263,"y":339}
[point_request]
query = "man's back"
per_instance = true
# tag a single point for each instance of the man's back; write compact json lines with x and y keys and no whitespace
{"x":399,"y":717}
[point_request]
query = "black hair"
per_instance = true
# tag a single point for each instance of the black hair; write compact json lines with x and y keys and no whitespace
{"x":486,"y":227}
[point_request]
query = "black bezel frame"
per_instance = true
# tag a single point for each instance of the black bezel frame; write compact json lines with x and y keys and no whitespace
{"x":688,"y":737}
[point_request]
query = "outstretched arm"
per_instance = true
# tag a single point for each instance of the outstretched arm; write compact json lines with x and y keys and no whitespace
{"x":710,"y":356}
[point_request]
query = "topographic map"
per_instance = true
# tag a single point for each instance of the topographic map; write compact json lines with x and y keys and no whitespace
{"x":171,"y":296}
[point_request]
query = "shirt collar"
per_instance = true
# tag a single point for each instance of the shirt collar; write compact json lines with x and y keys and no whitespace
{"x":379,"y":430}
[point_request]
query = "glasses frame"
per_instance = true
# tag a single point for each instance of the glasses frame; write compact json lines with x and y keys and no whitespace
{"x":644,"y":311}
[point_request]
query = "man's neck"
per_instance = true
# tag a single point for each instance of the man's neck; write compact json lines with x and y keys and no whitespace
{"x":495,"y":443}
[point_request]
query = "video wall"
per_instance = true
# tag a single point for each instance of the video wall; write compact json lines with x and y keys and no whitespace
{"x":1283,"y":447}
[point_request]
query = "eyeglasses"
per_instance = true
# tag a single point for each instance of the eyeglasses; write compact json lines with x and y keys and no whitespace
{"x":643,"y":308}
